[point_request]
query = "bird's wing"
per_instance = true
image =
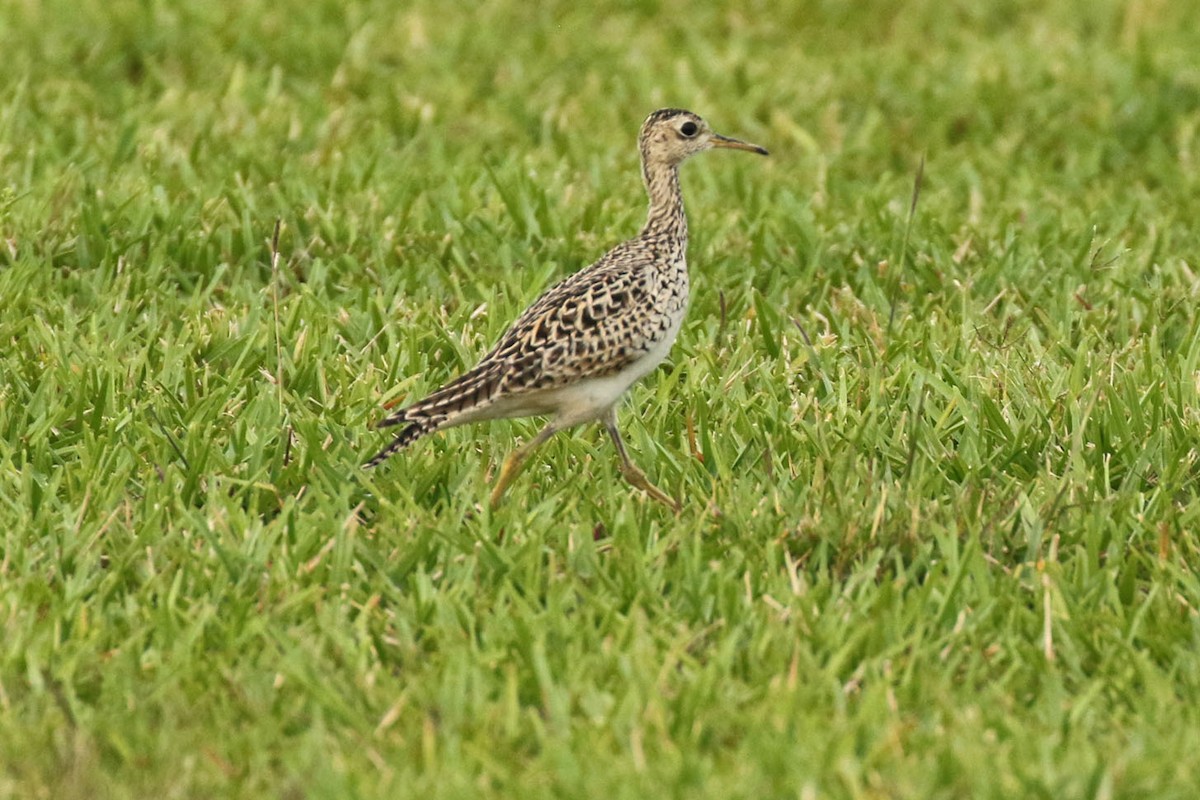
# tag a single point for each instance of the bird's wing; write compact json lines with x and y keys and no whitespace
{"x":586,"y":326}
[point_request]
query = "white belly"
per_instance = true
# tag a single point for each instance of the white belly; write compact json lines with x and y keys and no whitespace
{"x":590,"y":399}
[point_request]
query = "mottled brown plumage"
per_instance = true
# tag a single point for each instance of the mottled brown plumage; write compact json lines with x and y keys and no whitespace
{"x":578,"y":348}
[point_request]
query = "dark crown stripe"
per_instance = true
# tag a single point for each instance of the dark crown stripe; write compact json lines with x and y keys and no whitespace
{"x":667,"y":113}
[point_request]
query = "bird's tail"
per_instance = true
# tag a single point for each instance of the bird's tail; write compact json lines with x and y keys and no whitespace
{"x":449,"y":406}
{"x":412,"y":430}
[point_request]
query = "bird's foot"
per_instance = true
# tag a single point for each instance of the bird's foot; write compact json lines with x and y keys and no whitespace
{"x":638,"y":478}
{"x":512,"y":467}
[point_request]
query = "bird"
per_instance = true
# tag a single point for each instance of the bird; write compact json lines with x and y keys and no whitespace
{"x":575,"y":351}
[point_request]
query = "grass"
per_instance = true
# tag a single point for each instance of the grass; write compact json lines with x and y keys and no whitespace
{"x":940,"y":472}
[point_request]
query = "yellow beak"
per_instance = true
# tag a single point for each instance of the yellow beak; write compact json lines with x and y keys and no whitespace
{"x":736,"y":144}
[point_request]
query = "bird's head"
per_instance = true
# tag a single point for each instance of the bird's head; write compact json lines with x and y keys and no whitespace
{"x":671,"y":135}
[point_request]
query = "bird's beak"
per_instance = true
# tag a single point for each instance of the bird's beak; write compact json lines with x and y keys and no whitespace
{"x":736,"y":144}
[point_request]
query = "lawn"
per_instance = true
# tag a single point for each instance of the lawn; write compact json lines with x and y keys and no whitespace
{"x":939,"y":465}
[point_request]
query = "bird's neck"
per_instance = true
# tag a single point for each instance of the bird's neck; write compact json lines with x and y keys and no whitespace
{"x":666,"y":215}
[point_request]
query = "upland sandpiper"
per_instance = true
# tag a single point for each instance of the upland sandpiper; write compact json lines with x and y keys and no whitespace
{"x":586,"y":340}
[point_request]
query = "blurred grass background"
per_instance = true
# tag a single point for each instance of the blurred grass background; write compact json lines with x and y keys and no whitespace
{"x":940,"y":500}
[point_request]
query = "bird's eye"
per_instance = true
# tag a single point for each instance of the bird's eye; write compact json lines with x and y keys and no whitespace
{"x":688,"y":129}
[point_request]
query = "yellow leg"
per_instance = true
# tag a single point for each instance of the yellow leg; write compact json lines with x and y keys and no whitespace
{"x":515,"y":462}
{"x":632,"y":474}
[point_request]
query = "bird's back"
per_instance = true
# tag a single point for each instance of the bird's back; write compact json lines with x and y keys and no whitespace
{"x":597,"y":321}
{"x":600,"y":322}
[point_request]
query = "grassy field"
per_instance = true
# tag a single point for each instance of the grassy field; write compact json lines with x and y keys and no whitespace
{"x":939,"y":476}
